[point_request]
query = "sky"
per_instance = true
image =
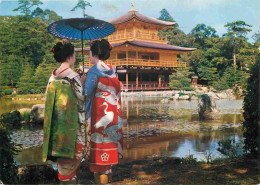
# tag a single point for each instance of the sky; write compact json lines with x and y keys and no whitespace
{"x":187,"y":13}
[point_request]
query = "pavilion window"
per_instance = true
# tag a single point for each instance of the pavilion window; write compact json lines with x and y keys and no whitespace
{"x":121,"y":55}
{"x":145,"y":57}
{"x":131,"y":54}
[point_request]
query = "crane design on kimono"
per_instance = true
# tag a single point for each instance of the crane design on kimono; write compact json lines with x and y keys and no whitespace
{"x":109,"y":93}
{"x":105,"y":120}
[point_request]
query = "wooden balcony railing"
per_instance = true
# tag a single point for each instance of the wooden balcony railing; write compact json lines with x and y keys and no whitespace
{"x":137,"y":35}
{"x":144,"y":86}
{"x":142,"y":62}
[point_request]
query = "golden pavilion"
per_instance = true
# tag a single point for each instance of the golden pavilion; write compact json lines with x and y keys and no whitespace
{"x":140,"y":57}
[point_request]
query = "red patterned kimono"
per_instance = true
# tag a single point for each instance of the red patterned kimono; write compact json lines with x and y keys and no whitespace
{"x":106,"y":125}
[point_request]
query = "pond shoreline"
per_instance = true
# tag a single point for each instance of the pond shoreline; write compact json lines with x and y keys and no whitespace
{"x":225,"y":94}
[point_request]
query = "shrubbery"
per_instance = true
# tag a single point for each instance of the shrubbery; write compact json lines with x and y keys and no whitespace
{"x":11,"y":117}
{"x":8,"y":168}
{"x":252,"y":111}
{"x":181,"y":80}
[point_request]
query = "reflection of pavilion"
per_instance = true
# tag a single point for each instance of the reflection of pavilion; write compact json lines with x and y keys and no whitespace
{"x":147,"y":137}
{"x":142,"y":59}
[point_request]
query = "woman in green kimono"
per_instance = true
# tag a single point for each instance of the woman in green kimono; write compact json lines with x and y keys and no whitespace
{"x":64,"y":118}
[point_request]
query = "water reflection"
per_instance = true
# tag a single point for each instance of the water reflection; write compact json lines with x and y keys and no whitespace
{"x":169,"y":129}
{"x":174,"y":128}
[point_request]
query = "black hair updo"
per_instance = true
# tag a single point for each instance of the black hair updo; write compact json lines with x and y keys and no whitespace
{"x":62,"y":51}
{"x":101,"y":49}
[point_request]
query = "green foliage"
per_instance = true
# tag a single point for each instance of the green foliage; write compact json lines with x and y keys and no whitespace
{"x":165,"y":16}
{"x":28,"y":41}
{"x":213,"y":60}
{"x":26,"y":5}
{"x":180,"y":80}
{"x":8,"y":169}
{"x":13,"y":118}
{"x":237,"y":29}
{"x":201,"y":32}
{"x":9,"y":70}
{"x":48,"y":15}
{"x":252,"y":111}
{"x":230,"y":79}
{"x":23,"y":49}
{"x":189,"y":160}
{"x":25,"y":116}
{"x":82,"y":5}
{"x":26,"y":84}
{"x":229,"y":148}
{"x":42,"y":74}
{"x":8,"y":91}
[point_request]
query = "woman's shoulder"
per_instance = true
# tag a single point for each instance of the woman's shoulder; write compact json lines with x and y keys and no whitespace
{"x":94,"y":69}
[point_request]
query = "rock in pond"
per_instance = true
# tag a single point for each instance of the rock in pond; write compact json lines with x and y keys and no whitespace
{"x":37,"y":113}
{"x":207,"y":107}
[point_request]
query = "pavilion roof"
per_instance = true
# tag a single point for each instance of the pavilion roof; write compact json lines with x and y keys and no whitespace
{"x":132,"y":13}
{"x":147,"y":45}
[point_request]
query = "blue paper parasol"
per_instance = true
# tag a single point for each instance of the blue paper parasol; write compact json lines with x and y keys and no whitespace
{"x":81,"y":29}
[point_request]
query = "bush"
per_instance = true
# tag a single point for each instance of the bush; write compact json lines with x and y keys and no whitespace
{"x":180,"y":80}
{"x":189,"y":160}
{"x":189,"y":88}
{"x":181,"y":94}
{"x":230,"y":78}
{"x":8,"y":91}
{"x":11,"y":117}
{"x":8,"y":168}
{"x":229,"y":148}
{"x":220,"y":85}
{"x":25,"y":116}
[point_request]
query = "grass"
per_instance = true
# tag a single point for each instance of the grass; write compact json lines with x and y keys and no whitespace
{"x":241,"y":170}
{"x":166,"y":170}
{"x":26,"y":116}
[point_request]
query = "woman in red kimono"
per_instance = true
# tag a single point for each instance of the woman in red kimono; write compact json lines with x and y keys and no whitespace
{"x":102,"y":101}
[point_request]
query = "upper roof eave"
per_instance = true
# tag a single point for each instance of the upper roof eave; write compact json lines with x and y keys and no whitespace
{"x":135,"y":14}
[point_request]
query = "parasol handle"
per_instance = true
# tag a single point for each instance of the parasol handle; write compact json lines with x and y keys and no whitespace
{"x":82,"y":50}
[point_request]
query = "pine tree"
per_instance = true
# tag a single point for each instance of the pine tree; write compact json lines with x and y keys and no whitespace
{"x":180,"y":80}
{"x":26,"y":84}
{"x":26,"y":5}
{"x":165,"y":16}
{"x":82,"y":5}
{"x":42,"y":75}
{"x":9,"y":71}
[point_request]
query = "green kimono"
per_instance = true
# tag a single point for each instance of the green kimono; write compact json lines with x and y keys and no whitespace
{"x":60,"y":121}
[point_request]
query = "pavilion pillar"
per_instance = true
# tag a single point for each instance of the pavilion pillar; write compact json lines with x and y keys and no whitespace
{"x":136,"y":80}
{"x":126,"y":77}
{"x":160,"y":79}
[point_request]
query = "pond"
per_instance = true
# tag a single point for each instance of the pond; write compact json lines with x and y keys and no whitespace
{"x":152,"y":128}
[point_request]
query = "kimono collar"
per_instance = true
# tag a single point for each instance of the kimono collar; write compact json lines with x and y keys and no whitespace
{"x":105,"y":69}
{"x":68,"y":72}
